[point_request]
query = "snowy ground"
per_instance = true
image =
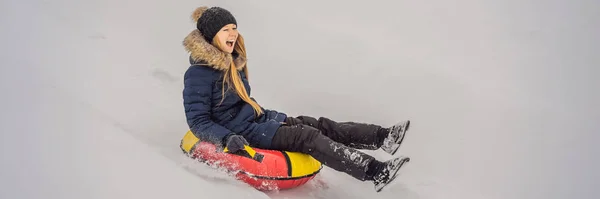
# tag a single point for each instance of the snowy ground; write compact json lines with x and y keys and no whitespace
{"x":502,"y":94}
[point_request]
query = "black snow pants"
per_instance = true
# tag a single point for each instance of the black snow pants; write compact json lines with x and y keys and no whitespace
{"x":332,"y":143}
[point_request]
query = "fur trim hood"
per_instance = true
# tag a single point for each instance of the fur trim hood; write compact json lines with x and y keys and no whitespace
{"x":202,"y":51}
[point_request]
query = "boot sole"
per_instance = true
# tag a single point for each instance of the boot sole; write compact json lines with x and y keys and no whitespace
{"x":404,"y":161}
{"x":405,"y":130}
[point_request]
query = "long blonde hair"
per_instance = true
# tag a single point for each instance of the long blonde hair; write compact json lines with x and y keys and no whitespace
{"x":232,"y":77}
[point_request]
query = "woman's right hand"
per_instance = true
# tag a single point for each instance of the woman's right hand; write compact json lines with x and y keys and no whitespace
{"x":235,"y":143}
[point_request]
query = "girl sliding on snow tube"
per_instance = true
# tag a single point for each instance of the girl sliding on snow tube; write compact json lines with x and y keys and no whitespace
{"x":219,"y":109}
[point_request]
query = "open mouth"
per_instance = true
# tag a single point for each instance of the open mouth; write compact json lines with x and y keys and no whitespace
{"x":230,"y":43}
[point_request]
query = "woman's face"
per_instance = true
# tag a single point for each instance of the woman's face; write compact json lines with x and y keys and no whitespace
{"x":227,"y":37}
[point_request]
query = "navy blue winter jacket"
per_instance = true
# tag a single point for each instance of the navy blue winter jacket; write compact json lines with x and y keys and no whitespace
{"x":209,"y":118}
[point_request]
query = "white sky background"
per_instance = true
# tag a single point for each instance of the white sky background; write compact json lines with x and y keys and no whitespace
{"x":502,"y":96}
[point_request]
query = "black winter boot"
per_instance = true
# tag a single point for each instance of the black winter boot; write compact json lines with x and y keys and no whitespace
{"x":384,"y":173}
{"x":392,"y":142}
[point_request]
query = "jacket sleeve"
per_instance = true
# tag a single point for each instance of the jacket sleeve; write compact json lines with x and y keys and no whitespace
{"x":271,"y":114}
{"x":197,"y":99}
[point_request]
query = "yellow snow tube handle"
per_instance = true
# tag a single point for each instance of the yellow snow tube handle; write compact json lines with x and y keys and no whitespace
{"x":248,"y":152}
{"x":247,"y":148}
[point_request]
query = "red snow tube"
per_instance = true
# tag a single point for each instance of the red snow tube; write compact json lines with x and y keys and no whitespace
{"x":263,"y":169}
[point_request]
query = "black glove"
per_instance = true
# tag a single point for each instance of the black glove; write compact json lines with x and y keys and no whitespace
{"x":235,"y":143}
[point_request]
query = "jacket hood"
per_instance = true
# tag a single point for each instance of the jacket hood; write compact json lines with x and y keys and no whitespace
{"x":202,"y":51}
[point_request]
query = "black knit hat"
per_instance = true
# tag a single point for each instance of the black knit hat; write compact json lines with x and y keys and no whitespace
{"x":212,"y":20}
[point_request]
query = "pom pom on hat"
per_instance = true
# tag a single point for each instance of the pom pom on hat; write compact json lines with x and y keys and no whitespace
{"x":198,"y":13}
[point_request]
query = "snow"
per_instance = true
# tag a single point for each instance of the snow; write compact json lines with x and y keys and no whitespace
{"x":502,"y":95}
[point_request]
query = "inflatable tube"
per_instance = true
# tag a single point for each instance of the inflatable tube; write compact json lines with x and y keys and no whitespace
{"x":260,"y":168}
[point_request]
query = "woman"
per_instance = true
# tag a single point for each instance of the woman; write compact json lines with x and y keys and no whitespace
{"x":219,"y":109}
